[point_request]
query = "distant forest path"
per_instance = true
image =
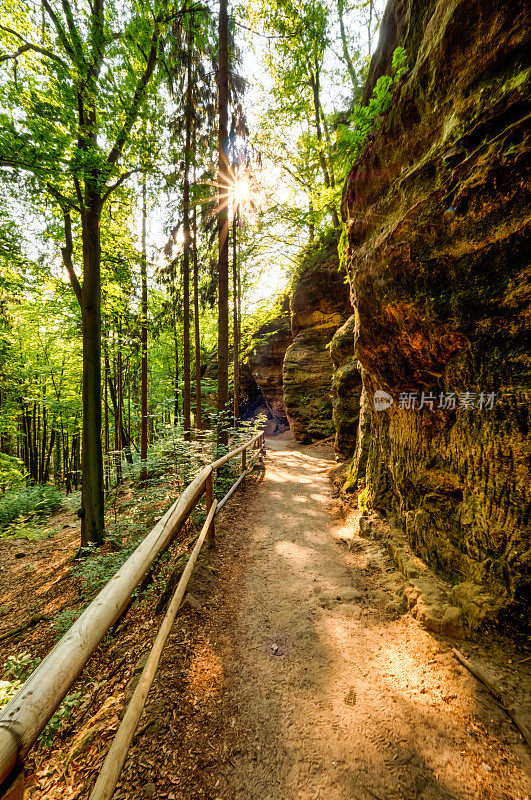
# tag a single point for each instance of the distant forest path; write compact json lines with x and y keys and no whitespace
{"x":335,"y":692}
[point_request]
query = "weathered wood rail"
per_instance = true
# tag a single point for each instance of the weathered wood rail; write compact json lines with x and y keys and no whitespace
{"x":27,"y":714}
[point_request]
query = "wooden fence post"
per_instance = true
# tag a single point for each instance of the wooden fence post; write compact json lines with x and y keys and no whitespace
{"x":244,"y":460}
{"x":209,"y":490}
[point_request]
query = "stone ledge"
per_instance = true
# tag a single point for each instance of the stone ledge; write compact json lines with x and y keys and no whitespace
{"x":427,"y":597}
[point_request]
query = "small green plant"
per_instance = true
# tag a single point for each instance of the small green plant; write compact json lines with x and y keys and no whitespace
{"x":62,"y":715}
{"x":19,"y":667}
{"x":15,"y":672}
{"x":64,"y":620}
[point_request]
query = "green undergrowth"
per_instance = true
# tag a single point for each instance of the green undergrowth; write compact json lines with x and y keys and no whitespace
{"x":14,"y":673}
{"x":135,"y":506}
{"x":22,"y":511}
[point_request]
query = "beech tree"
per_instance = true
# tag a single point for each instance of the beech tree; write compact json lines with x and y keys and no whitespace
{"x":76,"y":79}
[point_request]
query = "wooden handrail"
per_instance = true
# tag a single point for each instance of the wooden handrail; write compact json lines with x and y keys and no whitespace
{"x":233,"y":453}
{"x":27,"y":714}
{"x":115,"y":758}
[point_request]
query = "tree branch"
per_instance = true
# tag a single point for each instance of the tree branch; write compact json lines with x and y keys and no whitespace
{"x":60,"y":30}
{"x":119,"y":182}
{"x":63,"y":201}
{"x":18,"y":53}
{"x":74,"y":33}
{"x":134,"y":108}
{"x":31,"y":46}
{"x":67,"y":251}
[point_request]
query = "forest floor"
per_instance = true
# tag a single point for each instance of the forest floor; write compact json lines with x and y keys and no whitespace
{"x":292,"y":672}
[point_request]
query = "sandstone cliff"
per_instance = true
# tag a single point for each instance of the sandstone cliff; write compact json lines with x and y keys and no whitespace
{"x":319,"y":305}
{"x":437,"y":209}
{"x":265,"y":361}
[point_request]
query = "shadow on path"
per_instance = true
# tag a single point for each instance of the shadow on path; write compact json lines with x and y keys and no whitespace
{"x":339,"y":694}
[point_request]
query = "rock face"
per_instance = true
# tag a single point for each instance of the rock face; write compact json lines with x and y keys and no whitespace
{"x":438,"y":214}
{"x":346,"y":388}
{"x":319,"y":305}
{"x":265,"y":362}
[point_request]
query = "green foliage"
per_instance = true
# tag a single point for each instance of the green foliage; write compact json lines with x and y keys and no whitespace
{"x":19,"y":667}
{"x":61,"y":716}
{"x":12,"y":472}
{"x":15,"y":672}
{"x":319,"y":254}
{"x":29,"y":502}
{"x":64,"y":621}
{"x":365,"y":119}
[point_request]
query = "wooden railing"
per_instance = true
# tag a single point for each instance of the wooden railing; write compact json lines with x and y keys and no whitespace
{"x":27,"y":714}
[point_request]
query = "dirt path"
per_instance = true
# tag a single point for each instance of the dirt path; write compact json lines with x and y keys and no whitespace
{"x":339,"y":695}
{"x":291,"y":673}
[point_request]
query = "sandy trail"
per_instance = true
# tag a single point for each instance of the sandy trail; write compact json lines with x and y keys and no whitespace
{"x":339,"y":695}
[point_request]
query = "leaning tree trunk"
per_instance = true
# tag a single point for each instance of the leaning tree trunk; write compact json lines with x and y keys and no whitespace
{"x":92,"y":512}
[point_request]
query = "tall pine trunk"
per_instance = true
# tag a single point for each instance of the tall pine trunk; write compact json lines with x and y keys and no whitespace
{"x":186,"y":234}
{"x":144,"y":339}
{"x":235,"y":317}
{"x":223,"y":225}
{"x":92,"y":511}
{"x":176,"y":384}
{"x":198,"y":410}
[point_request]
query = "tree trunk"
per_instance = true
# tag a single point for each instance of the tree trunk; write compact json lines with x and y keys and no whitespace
{"x":144,"y":338}
{"x":223,"y":225}
{"x":198,"y":410}
{"x":235,"y":317}
{"x":118,"y":422}
{"x":176,"y":385}
{"x":369,"y":27}
{"x":92,"y":512}
{"x":346,"y":54}
{"x":328,"y":181}
{"x":186,"y":254}
{"x":57,"y":476}
{"x":112,"y":384}
{"x":106,"y":422}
